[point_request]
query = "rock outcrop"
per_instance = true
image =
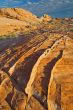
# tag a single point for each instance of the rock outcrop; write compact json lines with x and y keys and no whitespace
{"x":16,"y":19}
{"x":60,"y":90}
{"x":46,"y":18}
{"x":19,"y":14}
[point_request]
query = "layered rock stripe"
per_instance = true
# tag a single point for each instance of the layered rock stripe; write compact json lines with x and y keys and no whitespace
{"x":36,"y":59}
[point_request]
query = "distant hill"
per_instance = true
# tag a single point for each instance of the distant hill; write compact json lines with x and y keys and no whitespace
{"x":12,"y":19}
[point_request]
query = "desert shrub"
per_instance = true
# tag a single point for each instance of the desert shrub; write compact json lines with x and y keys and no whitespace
{"x":12,"y":35}
{"x":2,"y":37}
{"x":71,"y":29}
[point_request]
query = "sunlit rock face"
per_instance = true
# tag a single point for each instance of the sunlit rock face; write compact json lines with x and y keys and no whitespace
{"x":46,"y":18}
{"x":16,"y":19}
{"x":60,"y":87}
{"x":18,"y":13}
{"x":36,"y":59}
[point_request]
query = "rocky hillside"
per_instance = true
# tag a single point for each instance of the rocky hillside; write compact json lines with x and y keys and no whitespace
{"x":16,"y":19}
{"x":36,"y":61}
